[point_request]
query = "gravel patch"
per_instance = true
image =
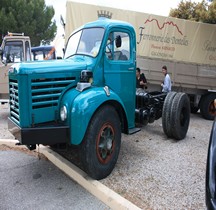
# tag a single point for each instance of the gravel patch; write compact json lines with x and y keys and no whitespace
{"x":155,"y":172}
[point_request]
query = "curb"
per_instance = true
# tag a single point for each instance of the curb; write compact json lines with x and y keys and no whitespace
{"x":103,"y":193}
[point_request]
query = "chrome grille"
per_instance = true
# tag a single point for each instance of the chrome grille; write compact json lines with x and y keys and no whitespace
{"x":46,"y":91}
{"x":14,"y":100}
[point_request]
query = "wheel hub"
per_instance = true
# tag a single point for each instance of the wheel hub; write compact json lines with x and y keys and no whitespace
{"x":105,"y":143}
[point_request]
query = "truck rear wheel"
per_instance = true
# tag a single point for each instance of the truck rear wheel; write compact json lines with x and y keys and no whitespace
{"x":101,"y":145}
{"x":166,"y":112}
{"x":180,"y":116}
{"x":207,"y":109}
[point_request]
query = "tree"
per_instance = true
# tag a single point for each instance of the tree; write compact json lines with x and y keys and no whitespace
{"x":33,"y":18}
{"x":202,"y":12}
{"x":211,"y":17}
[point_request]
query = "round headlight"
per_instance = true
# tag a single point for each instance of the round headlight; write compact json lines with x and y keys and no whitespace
{"x":63,"y":113}
{"x":86,"y":76}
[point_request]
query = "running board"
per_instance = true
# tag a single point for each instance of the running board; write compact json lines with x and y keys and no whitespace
{"x":134,"y":130}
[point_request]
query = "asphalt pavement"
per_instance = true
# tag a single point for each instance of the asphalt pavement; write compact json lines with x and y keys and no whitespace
{"x":31,"y":183}
{"x":43,"y":179}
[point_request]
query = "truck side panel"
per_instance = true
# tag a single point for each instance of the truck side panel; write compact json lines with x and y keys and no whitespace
{"x":191,"y":77}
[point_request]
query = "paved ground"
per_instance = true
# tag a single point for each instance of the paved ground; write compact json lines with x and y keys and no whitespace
{"x":29,"y":182}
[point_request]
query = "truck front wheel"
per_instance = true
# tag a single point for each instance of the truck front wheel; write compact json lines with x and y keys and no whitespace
{"x":101,"y":145}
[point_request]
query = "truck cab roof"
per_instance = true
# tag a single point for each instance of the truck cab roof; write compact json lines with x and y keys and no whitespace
{"x":107,"y":23}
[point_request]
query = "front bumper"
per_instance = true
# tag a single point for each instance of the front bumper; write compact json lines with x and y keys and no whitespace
{"x":48,"y":135}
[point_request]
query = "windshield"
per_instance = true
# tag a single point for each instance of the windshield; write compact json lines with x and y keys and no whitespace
{"x":13,"y":52}
{"x":43,"y":54}
{"x":85,"y":42}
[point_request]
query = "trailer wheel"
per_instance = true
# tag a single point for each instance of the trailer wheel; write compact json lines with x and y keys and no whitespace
{"x":180,"y":116}
{"x":101,"y":145}
{"x":166,"y":112}
{"x":207,"y":109}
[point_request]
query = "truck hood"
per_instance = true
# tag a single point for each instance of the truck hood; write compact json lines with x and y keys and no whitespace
{"x":77,"y":63}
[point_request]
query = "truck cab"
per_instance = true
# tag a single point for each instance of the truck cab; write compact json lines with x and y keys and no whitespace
{"x":87,"y":98}
{"x":111,"y":51}
{"x":15,"y":48}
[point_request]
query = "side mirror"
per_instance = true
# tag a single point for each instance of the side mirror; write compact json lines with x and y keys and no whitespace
{"x":118,"y":41}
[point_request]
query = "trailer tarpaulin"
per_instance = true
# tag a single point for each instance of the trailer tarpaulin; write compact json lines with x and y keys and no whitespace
{"x":157,"y":36}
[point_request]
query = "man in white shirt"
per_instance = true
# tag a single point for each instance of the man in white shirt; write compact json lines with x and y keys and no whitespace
{"x":166,"y":85}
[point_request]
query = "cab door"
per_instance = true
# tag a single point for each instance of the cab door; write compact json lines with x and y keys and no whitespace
{"x":120,"y":69}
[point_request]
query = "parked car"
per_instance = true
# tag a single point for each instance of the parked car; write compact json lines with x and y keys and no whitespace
{"x":211,"y":169}
{"x":46,"y":52}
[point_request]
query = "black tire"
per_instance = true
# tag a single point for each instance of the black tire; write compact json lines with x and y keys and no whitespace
{"x":180,"y":116}
{"x":207,"y":109}
{"x":166,"y":112}
{"x":101,"y":145}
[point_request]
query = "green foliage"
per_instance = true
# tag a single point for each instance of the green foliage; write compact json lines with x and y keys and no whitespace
{"x":31,"y":17}
{"x":202,"y":12}
{"x":211,"y":17}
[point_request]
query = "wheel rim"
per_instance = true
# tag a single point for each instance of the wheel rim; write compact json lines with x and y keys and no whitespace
{"x":212,"y":109}
{"x":105,"y":143}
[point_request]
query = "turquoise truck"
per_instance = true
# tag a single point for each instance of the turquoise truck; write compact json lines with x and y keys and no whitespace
{"x":89,"y":98}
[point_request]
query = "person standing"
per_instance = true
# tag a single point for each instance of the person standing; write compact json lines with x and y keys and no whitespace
{"x":141,"y":81}
{"x":166,"y":85}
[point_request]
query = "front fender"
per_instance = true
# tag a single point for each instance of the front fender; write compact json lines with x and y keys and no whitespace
{"x":82,"y":106}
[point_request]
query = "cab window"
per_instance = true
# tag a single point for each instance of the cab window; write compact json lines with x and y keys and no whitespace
{"x":118,"y":46}
{"x":28,"y":51}
{"x":13,"y":51}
